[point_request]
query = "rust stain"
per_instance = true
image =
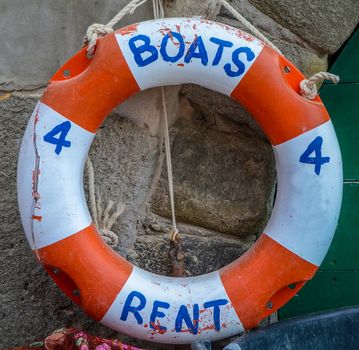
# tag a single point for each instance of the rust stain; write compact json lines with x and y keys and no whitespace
{"x":206,"y":328}
{"x":35,"y":183}
{"x":36,"y":171}
{"x":165,"y":30}
{"x":157,"y":328}
{"x":180,"y":65}
{"x":129,"y":29}
{"x":5,"y":96}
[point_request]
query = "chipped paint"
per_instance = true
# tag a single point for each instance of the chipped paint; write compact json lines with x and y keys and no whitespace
{"x":192,"y":47}
{"x":37,"y":217}
{"x":182,"y":309}
{"x":128,"y":30}
{"x":35,"y":182}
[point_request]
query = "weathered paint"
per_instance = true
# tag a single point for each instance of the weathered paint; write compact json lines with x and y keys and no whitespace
{"x":178,"y":51}
{"x":176,"y":310}
{"x":53,"y":207}
{"x":51,"y":185}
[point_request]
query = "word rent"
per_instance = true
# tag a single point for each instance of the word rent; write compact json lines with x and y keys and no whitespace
{"x":187,"y":317}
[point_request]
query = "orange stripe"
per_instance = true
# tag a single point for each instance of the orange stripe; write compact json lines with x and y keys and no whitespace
{"x":95,"y":87}
{"x":272,"y":97}
{"x":264,"y":274}
{"x":87,"y":263}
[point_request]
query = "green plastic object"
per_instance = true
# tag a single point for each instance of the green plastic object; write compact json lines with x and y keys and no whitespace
{"x":328,"y":290}
{"x":342,"y":103}
{"x":337,"y":282}
{"x":344,"y":251}
{"x":347,"y":64}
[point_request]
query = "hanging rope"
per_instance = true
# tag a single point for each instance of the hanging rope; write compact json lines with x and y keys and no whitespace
{"x":308,"y":87}
{"x":103,"y":219}
{"x":94,"y":32}
{"x":175,"y":252}
{"x":97,"y":30}
{"x":246,"y":23}
{"x":158,"y":11}
{"x":174,"y":230}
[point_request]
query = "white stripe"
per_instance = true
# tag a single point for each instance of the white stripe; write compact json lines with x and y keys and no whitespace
{"x":61,"y":209}
{"x":307,"y":205}
{"x":178,"y":293}
{"x":211,"y":75}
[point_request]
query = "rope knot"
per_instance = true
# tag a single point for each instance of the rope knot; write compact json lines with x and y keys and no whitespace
{"x":94,"y":31}
{"x":308,"y":87}
{"x":104,"y":219}
{"x":174,"y":234}
{"x":108,"y":236}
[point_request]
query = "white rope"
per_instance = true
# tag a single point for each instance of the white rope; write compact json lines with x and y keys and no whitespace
{"x":158,"y":12}
{"x":103,"y":219}
{"x":97,"y":30}
{"x":94,"y":31}
{"x":174,"y":230}
{"x":105,"y":222}
{"x":247,"y":24}
{"x":308,"y":87}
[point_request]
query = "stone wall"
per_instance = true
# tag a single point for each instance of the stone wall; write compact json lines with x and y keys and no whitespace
{"x":224,"y":173}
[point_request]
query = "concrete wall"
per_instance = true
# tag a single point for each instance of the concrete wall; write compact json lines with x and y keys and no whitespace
{"x":220,"y":215}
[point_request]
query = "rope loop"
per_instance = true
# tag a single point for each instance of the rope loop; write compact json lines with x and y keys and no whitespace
{"x":109,"y":237}
{"x":308,"y":87}
{"x":103,"y":219}
{"x":97,"y":30}
{"x":94,"y":31}
{"x":174,"y":234}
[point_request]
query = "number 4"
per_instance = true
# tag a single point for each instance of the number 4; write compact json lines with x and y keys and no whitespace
{"x":316,"y":147}
{"x":60,"y":142}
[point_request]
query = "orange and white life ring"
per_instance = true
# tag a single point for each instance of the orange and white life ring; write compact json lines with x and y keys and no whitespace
{"x":59,"y":227}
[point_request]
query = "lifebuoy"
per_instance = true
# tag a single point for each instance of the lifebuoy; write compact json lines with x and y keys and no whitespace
{"x":57,"y":222}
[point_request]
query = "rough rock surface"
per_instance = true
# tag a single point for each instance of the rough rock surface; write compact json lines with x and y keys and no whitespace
{"x":202,"y":254}
{"x":214,"y":106}
{"x":224,"y":171}
{"x":28,"y":297}
{"x":323,"y":24}
{"x":294,"y":47}
{"x":190,"y":8}
{"x":128,"y":160}
{"x":210,"y":169}
{"x":124,"y":159}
